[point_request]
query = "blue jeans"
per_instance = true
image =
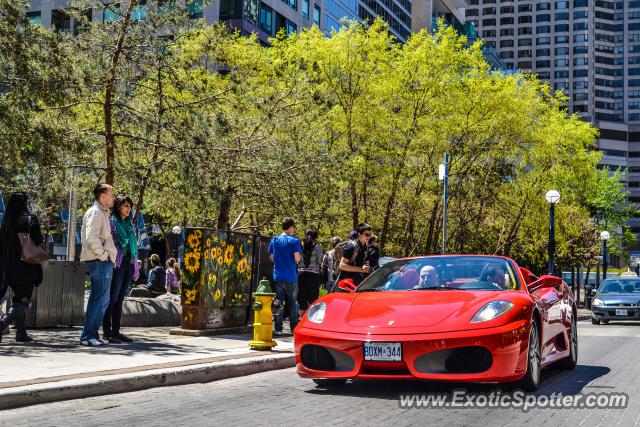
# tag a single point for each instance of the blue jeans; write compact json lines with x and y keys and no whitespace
{"x":101,"y":273}
{"x":119,"y":286}
{"x":287,"y":291}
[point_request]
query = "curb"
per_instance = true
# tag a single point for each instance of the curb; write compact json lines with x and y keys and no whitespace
{"x":16,"y":397}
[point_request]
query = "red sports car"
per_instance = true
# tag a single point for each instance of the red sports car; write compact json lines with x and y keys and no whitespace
{"x":456,"y":317}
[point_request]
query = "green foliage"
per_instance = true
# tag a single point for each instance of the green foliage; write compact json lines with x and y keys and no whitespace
{"x":204,"y":126}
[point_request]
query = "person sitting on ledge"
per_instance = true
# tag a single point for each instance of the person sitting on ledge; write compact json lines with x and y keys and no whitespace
{"x":156,"y":285}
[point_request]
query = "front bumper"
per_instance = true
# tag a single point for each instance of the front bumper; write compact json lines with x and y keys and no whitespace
{"x":506,"y":344}
{"x":609,"y":313}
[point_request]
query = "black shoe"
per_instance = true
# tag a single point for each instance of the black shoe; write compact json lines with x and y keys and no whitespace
{"x":23,"y":338}
{"x":124,"y":338}
{"x":114,"y":340}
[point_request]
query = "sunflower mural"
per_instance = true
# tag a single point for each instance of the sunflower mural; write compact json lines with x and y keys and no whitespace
{"x":192,"y":280}
{"x":221,"y":264}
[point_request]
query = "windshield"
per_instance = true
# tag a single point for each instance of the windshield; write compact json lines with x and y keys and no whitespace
{"x":443,"y":272}
{"x":620,"y":286}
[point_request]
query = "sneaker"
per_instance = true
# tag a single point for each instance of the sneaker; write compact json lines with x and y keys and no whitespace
{"x":92,"y":342}
{"x":124,"y":338}
{"x":277,"y":333}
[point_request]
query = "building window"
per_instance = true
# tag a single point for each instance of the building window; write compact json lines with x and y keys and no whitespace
{"x":293,"y":4}
{"x":562,"y":27}
{"x":35,"y":17}
{"x":580,"y":26}
{"x":563,"y":62}
{"x":506,"y":43}
{"x":111,"y":13}
{"x":543,"y":29}
{"x":195,"y":8}
{"x":316,"y":14}
{"x":562,"y":16}
{"x":526,"y":19}
{"x":580,"y":73}
{"x":525,"y":31}
{"x":488,"y":33}
{"x":543,"y":52}
{"x":543,"y":18}
{"x":543,"y":6}
{"x":305,"y":9}
{"x":562,"y":5}
{"x":580,"y":61}
{"x":562,"y":39}
{"x":543,"y":40}
{"x":524,"y":8}
{"x":564,"y":74}
{"x":291,"y":28}
{"x":543,"y":64}
{"x":524,"y":42}
{"x":580,"y":38}
{"x":506,"y":21}
{"x":230,"y":9}
{"x":562,"y":51}
{"x":581,"y":85}
{"x":580,"y":96}
{"x":506,"y":32}
{"x":266,"y":19}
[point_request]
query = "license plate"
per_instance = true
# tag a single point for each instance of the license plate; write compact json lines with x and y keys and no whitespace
{"x":383,"y":351}
{"x":621,"y":312}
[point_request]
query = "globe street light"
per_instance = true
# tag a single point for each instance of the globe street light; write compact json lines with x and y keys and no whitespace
{"x":552,"y":197}
{"x":604,"y":236}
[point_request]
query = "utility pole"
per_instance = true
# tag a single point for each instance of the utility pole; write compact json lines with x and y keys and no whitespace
{"x":444,"y":177}
{"x":71,"y":226}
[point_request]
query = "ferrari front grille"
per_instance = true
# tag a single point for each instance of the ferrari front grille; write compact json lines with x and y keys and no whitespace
{"x":461,"y":360}
{"x":321,"y":358}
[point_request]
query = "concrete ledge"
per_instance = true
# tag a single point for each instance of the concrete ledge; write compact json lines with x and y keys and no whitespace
{"x":238,"y":330}
{"x":138,"y":312}
{"x":97,"y":386}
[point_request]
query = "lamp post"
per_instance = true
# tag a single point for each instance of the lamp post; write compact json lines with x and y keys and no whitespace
{"x":443,"y":175}
{"x":552,"y":197}
{"x":604,"y":236}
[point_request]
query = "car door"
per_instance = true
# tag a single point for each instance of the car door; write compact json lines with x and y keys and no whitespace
{"x":550,"y":302}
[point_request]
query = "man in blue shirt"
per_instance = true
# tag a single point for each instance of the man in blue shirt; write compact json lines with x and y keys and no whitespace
{"x":285,"y":252}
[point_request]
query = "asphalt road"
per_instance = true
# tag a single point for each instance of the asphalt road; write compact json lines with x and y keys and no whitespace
{"x":609,"y":361}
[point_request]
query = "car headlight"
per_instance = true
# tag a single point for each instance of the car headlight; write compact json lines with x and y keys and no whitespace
{"x":597,"y":302}
{"x":315,"y":313}
{"x":491,"y":311}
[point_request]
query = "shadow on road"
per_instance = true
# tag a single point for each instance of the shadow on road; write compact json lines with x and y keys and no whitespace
{"x":553,"y":381}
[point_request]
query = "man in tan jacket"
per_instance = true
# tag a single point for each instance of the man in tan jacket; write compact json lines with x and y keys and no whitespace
{"x":99,"y":253}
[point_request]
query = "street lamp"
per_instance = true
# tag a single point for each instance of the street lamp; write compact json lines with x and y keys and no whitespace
{"x":604,"y":236}
{"x":552,"y":197}
{"x":175,"y":238}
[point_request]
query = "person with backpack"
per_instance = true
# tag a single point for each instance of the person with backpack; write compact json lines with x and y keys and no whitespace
{"x":309,"y":271}
{"x":331,"y":264}
{"x":354,"y":263}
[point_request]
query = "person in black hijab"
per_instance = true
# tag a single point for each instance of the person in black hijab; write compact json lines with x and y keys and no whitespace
{"x":20,"y":276}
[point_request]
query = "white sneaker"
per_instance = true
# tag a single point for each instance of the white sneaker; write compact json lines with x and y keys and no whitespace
{"x":92,"y":342}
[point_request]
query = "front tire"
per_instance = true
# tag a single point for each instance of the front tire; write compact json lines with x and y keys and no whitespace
{"x":531,"y":379}
{"x":330,"y":382}
{"x":595,"y":321}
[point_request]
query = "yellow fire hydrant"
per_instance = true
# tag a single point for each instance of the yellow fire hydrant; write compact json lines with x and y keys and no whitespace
{"x":262,"y":318}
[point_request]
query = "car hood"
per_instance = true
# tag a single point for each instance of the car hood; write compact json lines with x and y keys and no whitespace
{"x":409,"y":309}
{"x":618,"y":298}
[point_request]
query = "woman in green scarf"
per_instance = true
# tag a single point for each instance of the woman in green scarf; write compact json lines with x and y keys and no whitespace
{"x":126,"y":262}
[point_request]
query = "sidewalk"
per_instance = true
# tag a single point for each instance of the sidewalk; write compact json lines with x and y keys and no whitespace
{"x":56,"y":367}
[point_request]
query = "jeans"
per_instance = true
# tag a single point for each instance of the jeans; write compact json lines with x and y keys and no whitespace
{"x":119,"y":286}
{"x":287,"y":291}
{"x":101,"y":273}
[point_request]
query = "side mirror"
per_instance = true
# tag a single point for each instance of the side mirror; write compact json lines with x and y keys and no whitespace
{"x":346,"y":285}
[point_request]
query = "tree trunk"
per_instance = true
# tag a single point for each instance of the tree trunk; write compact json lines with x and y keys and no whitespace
{"x":225,"y":209}
{"x":109,"y":136}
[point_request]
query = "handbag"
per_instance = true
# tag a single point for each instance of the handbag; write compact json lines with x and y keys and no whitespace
{"x":31,"y":253}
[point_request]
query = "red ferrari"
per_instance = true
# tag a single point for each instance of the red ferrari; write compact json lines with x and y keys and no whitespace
{"x":461,"y":318}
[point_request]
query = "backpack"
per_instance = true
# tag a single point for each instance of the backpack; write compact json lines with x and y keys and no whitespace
{"x":337,"y":255}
